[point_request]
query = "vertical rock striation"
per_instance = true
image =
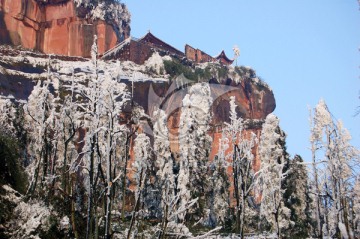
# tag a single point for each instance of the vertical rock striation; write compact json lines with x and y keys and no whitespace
{"x":63,"y":27}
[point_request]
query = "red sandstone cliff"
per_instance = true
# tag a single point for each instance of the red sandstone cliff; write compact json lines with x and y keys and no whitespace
{"x":57,"y":27}
{"x":255,"y":100}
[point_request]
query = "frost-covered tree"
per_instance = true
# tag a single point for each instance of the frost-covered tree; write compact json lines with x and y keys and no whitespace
{"x":112,"y":100}
{"x":142,"y":150}
{"x":39,"y":119}
{"x":67,"y":123}
{"x":356,"y":209}
{"x":320,"y":120}
{"x":218,"y":200}
{"x":273,"y":158}
{"x":104,"y":99}
{"x":92,"y":95}
{"x":334,"y":170}
{"x":242,"y":157}
{"x":194,"y":146}
{"x":297,"y":198}
{"x":165,"y":169}
{"x":236,"y":51}
{"x":171,"y":207}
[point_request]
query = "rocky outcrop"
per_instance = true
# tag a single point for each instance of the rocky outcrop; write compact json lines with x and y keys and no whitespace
{"x":19,"y":71}
{"x":59,"y":26}
{"x":254,"y":98}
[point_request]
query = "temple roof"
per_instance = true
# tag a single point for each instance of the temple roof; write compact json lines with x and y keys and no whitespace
{"x":150,"y":38}
{"x":113,"y":51}
{"x":222,"y":56}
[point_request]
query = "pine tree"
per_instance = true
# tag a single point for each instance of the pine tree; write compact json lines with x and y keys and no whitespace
{"x":297,"y":198}
{"x":272,"y":174}
{"x":218,"y":203}
{"x":194,"y":147}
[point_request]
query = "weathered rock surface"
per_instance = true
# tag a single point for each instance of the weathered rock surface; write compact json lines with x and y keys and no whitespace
{"x":55,"y":26}
{"x":19,"y":71}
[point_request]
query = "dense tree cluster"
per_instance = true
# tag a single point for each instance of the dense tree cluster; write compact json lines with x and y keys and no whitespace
{"x":75,"y":144}
{"x":334,"y":175}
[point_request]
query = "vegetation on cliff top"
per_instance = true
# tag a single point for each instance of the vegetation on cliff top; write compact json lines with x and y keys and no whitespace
{"x":112,"y":11}
{"x":81,"y":166}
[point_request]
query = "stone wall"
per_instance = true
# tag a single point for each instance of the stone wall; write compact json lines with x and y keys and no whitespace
{"x":197,"y":55}
{"x":190,"y":53}
{"x":137,"y":52}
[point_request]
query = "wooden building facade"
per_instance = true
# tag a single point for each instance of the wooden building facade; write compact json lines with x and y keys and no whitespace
{"x":140,"y":50}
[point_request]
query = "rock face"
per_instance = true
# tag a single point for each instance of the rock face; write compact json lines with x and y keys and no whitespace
{"x":19,"y":71}
{"x":56,"y":27}
{"x":254,"y":99}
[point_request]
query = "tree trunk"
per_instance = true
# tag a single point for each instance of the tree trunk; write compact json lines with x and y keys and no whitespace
{"x":96,"y":224}
{"x":52,"y":171}
{"x":317,"y":193}
{"x":165,"y":222}
{"x":73,"y":221}
{"x":127,"y":149}
{"x":236,"y":189}
{"x":109,"y":184}
{"x":90,"y":197}
{"x":33,"y":183}
{"x":136,"y":208}
{"x":242,"y":215}
{"x":65,"y":168}
{"x":276,"y":215}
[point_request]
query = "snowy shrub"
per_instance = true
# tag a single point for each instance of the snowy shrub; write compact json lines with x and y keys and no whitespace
{"x":155,"y":64}
{"x":179,"y":229}
{"x":175,"y":68}
{"x":32,"y":219}
{"x":7,"y":116}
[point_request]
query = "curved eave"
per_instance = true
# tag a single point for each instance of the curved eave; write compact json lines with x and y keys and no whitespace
{"x":222,"y":55}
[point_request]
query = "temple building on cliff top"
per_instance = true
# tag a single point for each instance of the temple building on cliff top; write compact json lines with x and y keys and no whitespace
{"x":140,"y":50}
{"x":62,"y":27}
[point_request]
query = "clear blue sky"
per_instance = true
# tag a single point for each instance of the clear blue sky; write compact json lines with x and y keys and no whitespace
{"x":305,"y":50}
